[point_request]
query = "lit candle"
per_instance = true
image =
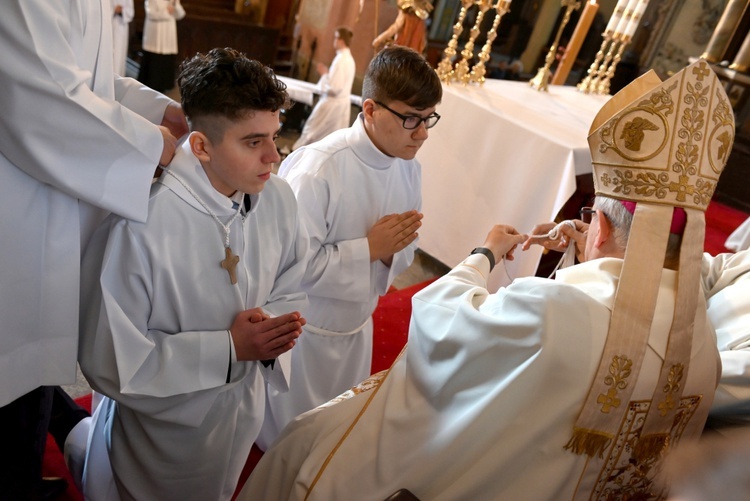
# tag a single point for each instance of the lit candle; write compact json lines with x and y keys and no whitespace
{"x":616,"y":16}
{"x":742,"y":60}
{"x":576,"y":40}
{"x":635,"y":19}
{"x":726,"y":27}
{"x":625,"y":19}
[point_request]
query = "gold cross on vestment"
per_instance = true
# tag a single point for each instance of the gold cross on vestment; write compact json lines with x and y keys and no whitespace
{"x":609,"y":400}
{"x":682,"y":188}
{"x":230,"y":264}
{"x":701,"y":71}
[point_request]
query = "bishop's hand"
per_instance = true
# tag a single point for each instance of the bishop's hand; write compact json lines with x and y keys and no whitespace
{"x":257,"y":336}
{"x":502,"y":240}
{"x":576,"y":232}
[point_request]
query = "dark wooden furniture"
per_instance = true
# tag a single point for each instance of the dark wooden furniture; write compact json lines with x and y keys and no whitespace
{"x":209,"y":24}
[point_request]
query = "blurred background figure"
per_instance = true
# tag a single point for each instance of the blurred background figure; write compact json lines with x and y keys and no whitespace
{"x":409,"y":28}
{"x":160,"y":43}
{"x":714,"y":468}
{"x":122,"y":14}
{"x":333,"y":111}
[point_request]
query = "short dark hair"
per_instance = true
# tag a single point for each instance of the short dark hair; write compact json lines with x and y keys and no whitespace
{"x":399,"y":73}
{"x":345,"y":34}
{"x":225,"y":83}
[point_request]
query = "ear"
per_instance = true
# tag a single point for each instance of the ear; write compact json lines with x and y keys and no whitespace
{"x":368,"y":108}
{"x":200,"y":146}
{"x":604,"y":228}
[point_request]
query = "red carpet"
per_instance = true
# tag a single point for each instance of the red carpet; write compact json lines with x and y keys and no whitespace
{"x":721,"y":220}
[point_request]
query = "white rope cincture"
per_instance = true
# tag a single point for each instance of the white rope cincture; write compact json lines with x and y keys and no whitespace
{"x":568,"y":257}
{"x":225,"y":227}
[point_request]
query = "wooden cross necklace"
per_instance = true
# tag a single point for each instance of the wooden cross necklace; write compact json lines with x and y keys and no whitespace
{"x":230,"y":260}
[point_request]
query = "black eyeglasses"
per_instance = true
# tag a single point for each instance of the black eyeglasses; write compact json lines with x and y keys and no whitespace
{"x":587,"y":213}
{"x":412,"y":122}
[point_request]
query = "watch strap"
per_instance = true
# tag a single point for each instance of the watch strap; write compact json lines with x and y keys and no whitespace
{"x":486,"y":252}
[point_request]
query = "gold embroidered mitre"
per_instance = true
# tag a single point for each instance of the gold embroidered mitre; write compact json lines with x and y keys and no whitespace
{"x":667,"y":145}
{"x":662,"y":145}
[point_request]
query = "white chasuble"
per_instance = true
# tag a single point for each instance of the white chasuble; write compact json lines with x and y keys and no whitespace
{"x":485,"y":397}
{"x":155,"y":338}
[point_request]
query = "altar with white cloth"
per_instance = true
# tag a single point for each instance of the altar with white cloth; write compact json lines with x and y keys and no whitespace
{"x":502,"y":153}
{"x":305,"y":92}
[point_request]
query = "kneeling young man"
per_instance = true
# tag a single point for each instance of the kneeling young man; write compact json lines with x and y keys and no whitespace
{"x":186,"y":316}
{"x":359,"y":191}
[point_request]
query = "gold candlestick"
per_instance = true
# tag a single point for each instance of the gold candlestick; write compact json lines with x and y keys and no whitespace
{"x":576,"y":41}
{"x":478,"y":71}
{"x":445,"y":68}
{"x":541,"y":81}
{"x":462,"y":68}
{"x":601,"y":72}
{"x":603,"y":85}
{"x":585,"y":85}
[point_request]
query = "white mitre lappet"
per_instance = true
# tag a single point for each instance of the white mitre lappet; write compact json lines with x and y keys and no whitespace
{"x":661,"y":145}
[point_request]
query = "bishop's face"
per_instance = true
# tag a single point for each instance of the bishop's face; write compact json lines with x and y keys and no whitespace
{"x":243,"y":158}
{"x":387,"y":132}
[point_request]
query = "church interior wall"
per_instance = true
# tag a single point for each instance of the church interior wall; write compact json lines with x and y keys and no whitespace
{"x":671,"y":32}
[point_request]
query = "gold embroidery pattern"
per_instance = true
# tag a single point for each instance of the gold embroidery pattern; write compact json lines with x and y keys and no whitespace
{"x":368,"y":384}
{"x":620,"y":477}
{"x":673,"y":385}
{"x":619,"y":372}
{"x":647,"y":184}
{"x":659,"y":105}
{"x":633,"y":132}
{"x":687,"y":155}
{"x":693,"y":122}
{"x":724,"y":126}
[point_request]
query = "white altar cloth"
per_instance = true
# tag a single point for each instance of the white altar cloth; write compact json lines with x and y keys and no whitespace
{"x":304,"y":92}
{"x":502,"y":153}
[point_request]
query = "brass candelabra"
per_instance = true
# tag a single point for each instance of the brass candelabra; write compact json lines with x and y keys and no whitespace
{"x":462,"y":72}
{"x":541,"y":81}
{"x":479,"y":70}
{"x":445,"y":68}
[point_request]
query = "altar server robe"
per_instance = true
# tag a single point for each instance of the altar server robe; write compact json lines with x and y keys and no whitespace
{"x":726,"y":279}
{"x":333,"y":110}
{"x":121,"y":34}
{"x":344,"y":184}
{"x":160,"y":26}
{"x":486,"y":396}
{"x":73,"y":140}
{"x":155,"y":339}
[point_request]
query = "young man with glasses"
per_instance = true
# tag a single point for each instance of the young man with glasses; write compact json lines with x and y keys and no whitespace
{"x":359,"y":193}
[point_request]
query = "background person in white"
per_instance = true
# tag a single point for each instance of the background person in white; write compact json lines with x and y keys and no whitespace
{"x":75,"y":142}
{"x":170,"y":333}
{"x":122,"y":15}
{"x":359,"y":192}
{"x":159,"y":44}
{"x":333,"y":110}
